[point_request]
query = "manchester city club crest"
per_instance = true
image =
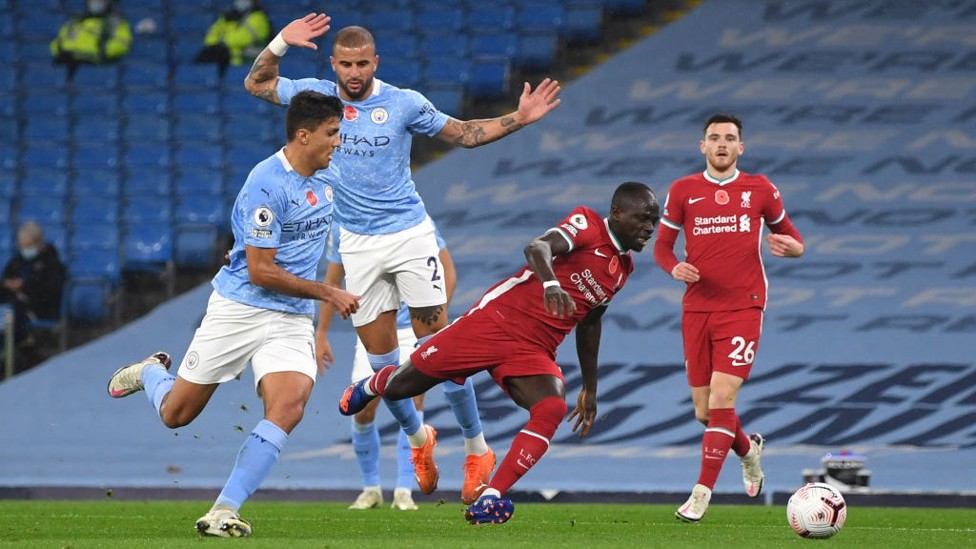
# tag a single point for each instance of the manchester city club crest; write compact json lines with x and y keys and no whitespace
{"x":379,"y":115}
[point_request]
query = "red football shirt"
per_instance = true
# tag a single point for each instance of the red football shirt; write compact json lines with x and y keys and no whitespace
{"x":722,"y":223}
{"x":592,"y":272}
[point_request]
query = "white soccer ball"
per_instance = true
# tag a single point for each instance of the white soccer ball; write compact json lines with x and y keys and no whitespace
{"x":816,"y":510}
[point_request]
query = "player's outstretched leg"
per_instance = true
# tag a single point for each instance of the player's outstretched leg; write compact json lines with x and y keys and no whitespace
{"x":223,"y":522}
{"x":752,"y":473}
{"x":355,"y":398}
{"x":490,"y":508}
{"x":128,"y":379}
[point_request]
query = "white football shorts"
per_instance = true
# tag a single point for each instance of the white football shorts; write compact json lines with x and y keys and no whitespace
{"x":360,"y":364}
{"x":385,"y":269}
{"x":233,"y":334}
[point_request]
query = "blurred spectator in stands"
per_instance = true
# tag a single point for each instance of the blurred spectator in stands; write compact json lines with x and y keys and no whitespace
{"x":237,"y":37}
{"x":99,"y":35}
{"x":32,"y":283}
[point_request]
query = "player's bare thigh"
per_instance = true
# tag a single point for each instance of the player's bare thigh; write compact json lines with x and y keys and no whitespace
{"x":527,"y":391}
{"x":285,"y":395}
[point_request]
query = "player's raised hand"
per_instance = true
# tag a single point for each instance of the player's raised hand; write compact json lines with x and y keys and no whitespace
{"x":584,"y":413}
{"x":558,"y":302}
{"x":784,"y":245}
{"x":301,"y":32}
{"x":534,"y":104}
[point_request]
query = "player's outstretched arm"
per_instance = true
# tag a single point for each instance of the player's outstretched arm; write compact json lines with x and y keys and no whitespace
{"x":264,"y":272}
{"x":533,"y":105}
{"x":323,"y":350}
{"x":262,"y":80}
{"x":588,"y":333}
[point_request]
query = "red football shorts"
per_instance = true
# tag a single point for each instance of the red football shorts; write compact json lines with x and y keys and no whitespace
{"x":720,"y":341}
{"x":476,"y":343}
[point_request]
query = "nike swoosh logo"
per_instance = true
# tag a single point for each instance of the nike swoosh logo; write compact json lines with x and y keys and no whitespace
{"x":693,"y":200}
{"x":737,"y":363}
{"x":712,"y":457}
{"x":597,"y":252}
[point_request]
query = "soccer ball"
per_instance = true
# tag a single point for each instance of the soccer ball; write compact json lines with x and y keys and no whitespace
{"x":816,"y":510}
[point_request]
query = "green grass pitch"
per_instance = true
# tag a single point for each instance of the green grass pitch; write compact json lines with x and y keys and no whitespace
{"x":166,"y":524}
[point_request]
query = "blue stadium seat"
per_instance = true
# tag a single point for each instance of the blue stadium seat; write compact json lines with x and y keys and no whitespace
{"x":195,"y":245}
{"x":152,"y":48}
{"x":8,"y":78}
{"x":55,"y":129}
{"x":45,"y":77}
{"x":236,"y":100}
{"x":35,"y":54}
{"x":48,"y":104}
{"x":42,"y":180}
{"x":197,"y":127}
{"x":343,"y":16}
{"x":488,"y":78}
{"x":10,"y":130}
{"x":146,"y":183}
{"x":95,"y":79}
{"x":189,"y":76}
{"x":151,"y":156}
{"x":105,"y":184}
{"x":445,"y":71}
{"x":542,"y":16}
{"x":145,"y":209}
{"x":46,"y":210}
{"x":441,"y":20}
{"x":398,"y":45}
{"x":185,"y":47}
{"x":444,"y":45}
{"x":140,"y":127}
{"x":200,"y":102}
{"x":198,"y":182}
{"x":200,"y":209}
{"x":198,"y":154}
{"x":403,"y":73}
{"x":89,"y":212}
{"x":625,"y":7}
{"x":394,"y":20}
{"x":145,"y":102}
{"x":536,"y":51}
{"x":7,"y":30}
{"x":498,"y":44}
{"x":144,"y":76}
{"x":255,"y":126}
{"x":86,"y":236}
{"x":102,"y":102}
{"x":94,"y":127}
{"x":94,"y":155}
{"x":43,"y":153}
{"x":583,"y":23}
{"x":96,"y":262}
{"x":56,"y":234}
{"x":87,"y":299}
{"x":38,"y":29}
{"x":491,"y":19}
{"x":148,"y":248}
{"x":246,"y":153}
{"x":448,"y":99}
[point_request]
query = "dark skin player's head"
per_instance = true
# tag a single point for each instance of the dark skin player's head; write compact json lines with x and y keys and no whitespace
{"x":634,"y":212}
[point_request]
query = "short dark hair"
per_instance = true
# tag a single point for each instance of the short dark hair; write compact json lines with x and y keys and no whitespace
{"x":721,"y":118}
{"x":353,"y":37}
{"x":308,"y":109}
{"x":627,"y":191}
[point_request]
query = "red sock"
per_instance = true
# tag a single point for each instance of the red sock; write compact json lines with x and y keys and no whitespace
{"x":377,"y":383}
{"x":530,"y":444}
{"x":716,"y":443}
{"x":741,"y":444}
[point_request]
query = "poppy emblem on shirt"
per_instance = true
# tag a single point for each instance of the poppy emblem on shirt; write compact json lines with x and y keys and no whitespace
{"x":614,"y":265}
{"x":721,"y":197}
{"x":312,"y":199}
{"x":350,"y":113}
{"x":379,"y":115}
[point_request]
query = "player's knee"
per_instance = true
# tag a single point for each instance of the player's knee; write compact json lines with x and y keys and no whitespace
{"x":702,"y":416}
{"x":546,"y":415}
{"x":287,"y":415}
{"x":174,"y":418}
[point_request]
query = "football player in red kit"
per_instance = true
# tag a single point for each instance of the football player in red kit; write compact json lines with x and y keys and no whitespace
{"x":573,"y":272}
{"x":722,"y":212}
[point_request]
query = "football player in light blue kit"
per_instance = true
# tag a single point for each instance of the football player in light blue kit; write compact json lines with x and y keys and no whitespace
{"x":365,"y":435}
{"x":261,"y":308}
{"x":388,"y":247}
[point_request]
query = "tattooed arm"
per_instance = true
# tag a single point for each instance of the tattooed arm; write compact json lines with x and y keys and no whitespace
{"x":533,"y":105}
{"x":262,"y":80}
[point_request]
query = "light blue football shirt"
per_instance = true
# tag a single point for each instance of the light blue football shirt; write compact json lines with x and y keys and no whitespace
{"x":377,"y":194}
{"x":279,"y":208}
{"x":332,"y":256}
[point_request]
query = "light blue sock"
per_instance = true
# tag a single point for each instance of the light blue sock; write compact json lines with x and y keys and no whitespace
{"x":158,"y":382}
{"x":405,"y":471}
{"x":465,"y":406}
{"x":258,"y":454}
{"x":366,"y":443}
{"x":403,"y":410}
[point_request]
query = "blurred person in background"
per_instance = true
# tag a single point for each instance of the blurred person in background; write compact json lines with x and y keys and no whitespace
{"x":237,"y":37}
{"x":98,"y":36}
